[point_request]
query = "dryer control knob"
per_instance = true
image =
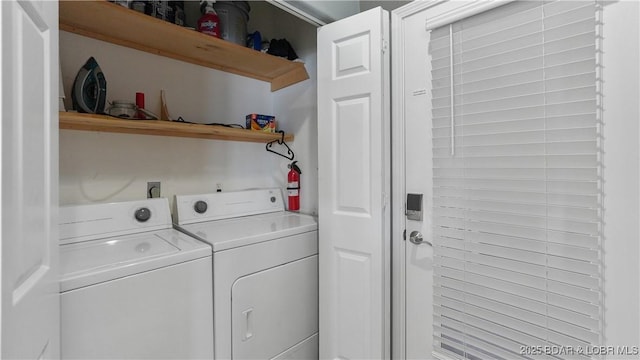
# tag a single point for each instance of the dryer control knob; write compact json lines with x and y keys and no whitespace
{"x":200,"y":207}
{"x":143,"y":214}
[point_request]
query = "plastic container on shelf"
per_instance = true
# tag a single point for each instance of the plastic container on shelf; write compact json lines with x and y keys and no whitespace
{"x":160,"y":9}
{"x":123,"y":109}
{"x":138,"y":6}
{"x":178,"y":12}
{"x":234,"y":16}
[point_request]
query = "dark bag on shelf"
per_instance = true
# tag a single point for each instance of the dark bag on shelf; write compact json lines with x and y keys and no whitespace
{"x":282,"y":48}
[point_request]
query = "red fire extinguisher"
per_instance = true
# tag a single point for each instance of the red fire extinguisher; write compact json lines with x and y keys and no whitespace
{"x":293,"y":186}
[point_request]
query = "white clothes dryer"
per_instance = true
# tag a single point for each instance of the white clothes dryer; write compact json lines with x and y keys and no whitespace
{"x":265,"y":272}
{"x":132,"y":287}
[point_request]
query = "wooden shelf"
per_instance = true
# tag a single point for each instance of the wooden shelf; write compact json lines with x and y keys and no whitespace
{"x":116,"y":24}
{"x":91,"y":122}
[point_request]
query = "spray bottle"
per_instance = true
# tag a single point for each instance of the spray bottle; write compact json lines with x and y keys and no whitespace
{"x":209,"y":23}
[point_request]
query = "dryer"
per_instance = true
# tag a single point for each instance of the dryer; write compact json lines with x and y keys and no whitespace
{"x":132,"y":287}
{"x":265,"y":272}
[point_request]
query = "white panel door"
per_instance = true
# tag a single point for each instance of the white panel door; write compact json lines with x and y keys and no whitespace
{"x":354,"y":178}
{"x":29,"y":133}
{"x":412,"y":168}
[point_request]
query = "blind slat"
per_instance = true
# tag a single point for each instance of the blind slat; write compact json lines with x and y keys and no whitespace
{"x":508,"y":295}
{"x":578,"y":120}
{"x":501,"y":173}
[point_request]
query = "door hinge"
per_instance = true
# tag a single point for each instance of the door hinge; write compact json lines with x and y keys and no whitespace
{"x":404,"y":235}
{"x":385,"y":46}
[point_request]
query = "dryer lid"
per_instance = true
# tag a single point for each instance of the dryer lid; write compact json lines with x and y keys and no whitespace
{"x":231,"y":233}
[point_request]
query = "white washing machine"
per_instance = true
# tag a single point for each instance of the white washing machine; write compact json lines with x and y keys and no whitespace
{"x":265,"y":273}
{"x":133,"y":287}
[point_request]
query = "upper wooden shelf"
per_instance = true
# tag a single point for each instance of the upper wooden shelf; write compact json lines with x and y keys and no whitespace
{"x":91,"y":122}
{"x":116,"y":24}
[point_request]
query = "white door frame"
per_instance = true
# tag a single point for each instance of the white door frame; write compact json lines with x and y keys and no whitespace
{"x":442,"y":12}
{"x":398,"y":245}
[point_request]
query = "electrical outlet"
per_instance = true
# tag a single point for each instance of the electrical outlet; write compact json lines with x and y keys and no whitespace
{"x":153,"y":189}
{"x":219,"y":187}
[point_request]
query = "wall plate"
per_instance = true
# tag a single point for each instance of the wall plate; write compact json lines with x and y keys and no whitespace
{"x":153,"y":189}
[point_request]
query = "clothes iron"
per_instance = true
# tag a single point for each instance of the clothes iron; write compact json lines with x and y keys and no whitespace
{"x":89,"y":92}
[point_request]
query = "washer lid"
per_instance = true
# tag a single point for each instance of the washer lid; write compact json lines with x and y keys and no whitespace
{"x":96,"y":261}
{"x":231,"y":233}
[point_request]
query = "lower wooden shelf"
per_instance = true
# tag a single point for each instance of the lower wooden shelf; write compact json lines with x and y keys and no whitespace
{"x":92,"y":122}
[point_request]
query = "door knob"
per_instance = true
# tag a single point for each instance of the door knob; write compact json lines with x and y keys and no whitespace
{"x":416,"y":238}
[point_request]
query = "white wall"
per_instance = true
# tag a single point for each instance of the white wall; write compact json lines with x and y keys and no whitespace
{"x":621,"y":61}
{"x":297,"y":104}
{"x":103,"y":167}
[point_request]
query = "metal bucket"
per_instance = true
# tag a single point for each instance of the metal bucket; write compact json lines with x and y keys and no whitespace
{"x":233,"y":20}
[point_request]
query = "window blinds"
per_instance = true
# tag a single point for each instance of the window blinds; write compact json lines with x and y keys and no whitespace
{"x":517,"y":219}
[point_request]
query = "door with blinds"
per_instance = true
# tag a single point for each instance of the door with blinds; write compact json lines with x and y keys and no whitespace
{"x":516,"y":182}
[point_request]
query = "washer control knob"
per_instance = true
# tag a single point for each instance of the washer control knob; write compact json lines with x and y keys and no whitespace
{"x":142,"y":214}
{"x":200,"y":207}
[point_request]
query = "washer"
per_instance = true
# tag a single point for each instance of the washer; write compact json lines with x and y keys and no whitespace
{"x":131,"y":285}
{"x":265,"y":272}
